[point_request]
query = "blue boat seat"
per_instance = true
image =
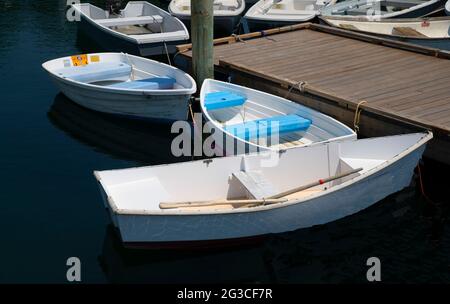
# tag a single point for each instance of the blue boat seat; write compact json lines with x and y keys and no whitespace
{"x":223,"y":99}
{"x":152,"y":83}
{"x":266,"y":126}
{"x":96,"y":71}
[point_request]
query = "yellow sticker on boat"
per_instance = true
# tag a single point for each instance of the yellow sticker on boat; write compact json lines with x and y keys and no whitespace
{"x":79,"y":60}
{"x":95,"y":58}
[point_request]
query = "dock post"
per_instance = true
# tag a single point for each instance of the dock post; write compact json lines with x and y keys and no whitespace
{"x":202,"y":32}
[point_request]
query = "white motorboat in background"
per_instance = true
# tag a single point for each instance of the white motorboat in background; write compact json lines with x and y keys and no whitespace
{"x":266,"y":14}
{"x":141,"y":28}
{"x":123,"y":84}
{"x":237,"y":197}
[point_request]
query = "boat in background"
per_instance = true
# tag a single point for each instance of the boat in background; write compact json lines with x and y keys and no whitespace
{"x":227,"y":13}
{"x":428,"y":32}
{"x":267,"y":14}
{"x":140,"y":28}
{"x":239,"y":197}
{"x":245,"y":120}
{"x":447,"y":7}
{"x":125,"y":85}
{"x":381,"y":9}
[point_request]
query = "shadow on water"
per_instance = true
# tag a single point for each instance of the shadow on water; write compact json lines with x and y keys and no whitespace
{"x":140,"y":141}
{"x":408,"y":235}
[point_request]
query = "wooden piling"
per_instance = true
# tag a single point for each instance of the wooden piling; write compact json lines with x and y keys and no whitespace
{"x":202,"y":31}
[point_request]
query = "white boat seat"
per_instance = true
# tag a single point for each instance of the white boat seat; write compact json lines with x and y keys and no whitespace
{"x":141,"y":20}
{"x":95,"y":71}
{"x":152,"y":83}
{"x":257,"y":186}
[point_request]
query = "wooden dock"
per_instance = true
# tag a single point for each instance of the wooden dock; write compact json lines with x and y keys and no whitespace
{"x":397,"y":87}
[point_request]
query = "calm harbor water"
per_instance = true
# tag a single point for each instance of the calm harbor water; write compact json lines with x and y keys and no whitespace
{"x":51,"y":208}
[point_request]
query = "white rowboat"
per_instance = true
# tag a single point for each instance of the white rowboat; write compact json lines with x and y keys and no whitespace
{"x":134,"y":196}
{"x":141,"y":28}
{"x":227,"y":13}
{"x":123,"y":84}
{"x":240,"y":115}
{"x":381,"y":9}
{"x":429,"y":32}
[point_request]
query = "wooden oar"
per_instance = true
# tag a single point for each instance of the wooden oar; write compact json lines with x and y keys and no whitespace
{"x":172,"y":205}
{"x":277,"y":198}
{"x":316,"y":183}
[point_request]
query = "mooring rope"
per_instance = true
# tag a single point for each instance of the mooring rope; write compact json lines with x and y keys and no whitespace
{"x":300,"y":85}
{"x":357,"y":117}
{"x":167,"y":53}
{"x":164,"y":42}
{"x":422,"y":189}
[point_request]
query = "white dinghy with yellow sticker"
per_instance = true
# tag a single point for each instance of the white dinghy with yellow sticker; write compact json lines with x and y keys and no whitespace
{"x":123,"y":84}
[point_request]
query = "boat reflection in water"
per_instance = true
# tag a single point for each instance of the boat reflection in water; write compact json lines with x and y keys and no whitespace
{"x":134,"y":140}
{"x":123,"y":265}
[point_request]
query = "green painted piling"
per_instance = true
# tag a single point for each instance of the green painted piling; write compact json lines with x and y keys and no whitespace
{"x":202,"y":31}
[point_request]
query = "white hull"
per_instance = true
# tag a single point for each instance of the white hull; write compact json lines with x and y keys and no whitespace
{"x":153,"y":104}
{"x":323,"y":128}
{"x":156,"y":107}
{"x":385,"y":171}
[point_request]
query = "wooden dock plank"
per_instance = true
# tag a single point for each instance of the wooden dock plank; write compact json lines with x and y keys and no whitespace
{"x":399,"y":82}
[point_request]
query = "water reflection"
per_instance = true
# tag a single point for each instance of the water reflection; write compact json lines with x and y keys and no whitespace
{"x":333,"y":253}
{"x":139,"y":141}
{"x":121,"y":265}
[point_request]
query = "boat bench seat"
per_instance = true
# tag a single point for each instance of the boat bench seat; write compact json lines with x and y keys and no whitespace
{"x":95,"y":71}
{"x":152,"y":83}
{"x":256,"y":185}
{"x":267,"y":126}
{"x":141,"y":20}
{"x":223,"y":99}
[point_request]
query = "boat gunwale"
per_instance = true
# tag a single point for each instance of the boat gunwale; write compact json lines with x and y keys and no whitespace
{"x":426,"y":136}
{"x":185,"y":91}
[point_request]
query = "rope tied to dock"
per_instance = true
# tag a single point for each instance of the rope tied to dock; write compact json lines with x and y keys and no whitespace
{"x":300,"y":86}
{"x":357,"y":117}
{"x":237,"y":38}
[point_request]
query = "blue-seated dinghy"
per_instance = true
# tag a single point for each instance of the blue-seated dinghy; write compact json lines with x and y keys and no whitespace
{"x":246,"y":120}
{"x":123,"y":84}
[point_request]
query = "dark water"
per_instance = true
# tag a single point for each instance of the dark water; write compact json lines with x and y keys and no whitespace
{"x":51,"y":209}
